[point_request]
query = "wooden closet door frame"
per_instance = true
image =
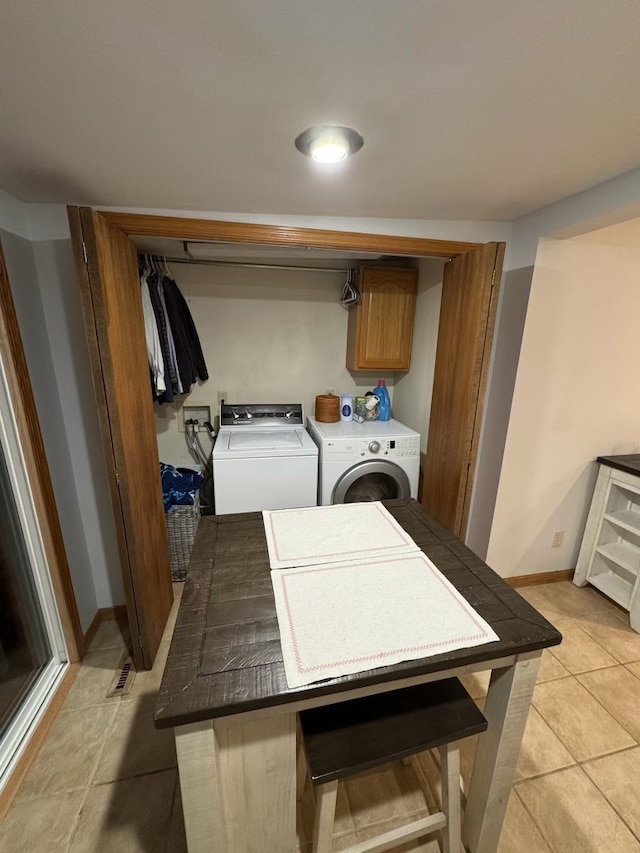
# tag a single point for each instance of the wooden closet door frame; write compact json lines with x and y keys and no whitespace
{"x":470,"y":289}
{"x":107,"y":273}
{"x":211,"y":230}
{"x":219,"y":231}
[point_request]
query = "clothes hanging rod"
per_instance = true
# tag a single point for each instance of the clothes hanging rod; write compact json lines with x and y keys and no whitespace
{"x":211,"y":262}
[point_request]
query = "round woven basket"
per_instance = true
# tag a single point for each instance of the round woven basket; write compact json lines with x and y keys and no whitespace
{"x":327,"y":408}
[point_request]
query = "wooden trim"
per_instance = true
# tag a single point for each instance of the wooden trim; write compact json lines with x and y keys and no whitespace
{"x":542,"y":577}
{"x":423,"y":462}
{"x":482,"y":388}
{"x":89,"y":314}
{"x":103,"y":614}
{"x":118,"y":612}
{"x":90,"y":633}
{"x":13,"y":358}
{"x":114,"y":284}
{"x":12,"y":786}
{"x":281,"y":235}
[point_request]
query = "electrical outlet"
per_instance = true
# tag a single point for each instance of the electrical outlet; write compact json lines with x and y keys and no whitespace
{"x":200,"y":412}
{"x":222,"y":396}
{"x":558,"y":536}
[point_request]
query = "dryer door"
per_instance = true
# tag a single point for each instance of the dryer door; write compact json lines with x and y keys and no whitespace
{"x":373,"y":480}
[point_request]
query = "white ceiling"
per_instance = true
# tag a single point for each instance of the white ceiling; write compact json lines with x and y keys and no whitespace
{"x":470,"y":109}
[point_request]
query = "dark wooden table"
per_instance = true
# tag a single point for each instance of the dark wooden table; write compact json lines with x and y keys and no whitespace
{"x":225,"y":693}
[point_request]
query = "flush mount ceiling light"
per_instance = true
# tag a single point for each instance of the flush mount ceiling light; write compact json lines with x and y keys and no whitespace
{"x":329,"y":144}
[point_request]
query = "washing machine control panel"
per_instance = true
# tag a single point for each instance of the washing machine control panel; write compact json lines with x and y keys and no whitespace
{"x":368,"y":447}
{"x":394,"y":448}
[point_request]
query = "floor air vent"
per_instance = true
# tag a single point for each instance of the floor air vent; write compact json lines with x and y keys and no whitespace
{"x":123,"y":680}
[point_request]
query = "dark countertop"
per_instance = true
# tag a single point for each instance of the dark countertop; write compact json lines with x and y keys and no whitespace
{"x":225,"y":656}
{"x":629,"y":462}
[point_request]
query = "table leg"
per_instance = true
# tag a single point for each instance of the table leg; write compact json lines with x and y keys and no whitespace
{"x":200,"y":787}
{"x":506,"y":710}
{"x":238,"y":784}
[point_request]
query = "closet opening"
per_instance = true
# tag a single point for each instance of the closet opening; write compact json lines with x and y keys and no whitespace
{"x":266,"y":303}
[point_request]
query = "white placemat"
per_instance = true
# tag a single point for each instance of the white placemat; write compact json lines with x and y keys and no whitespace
{"x":329,"y":534}
{"x":341,"y":618}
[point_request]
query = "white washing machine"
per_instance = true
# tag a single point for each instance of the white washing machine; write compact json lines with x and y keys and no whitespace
{"x":263,"y":458}
{"x":371,"y":461}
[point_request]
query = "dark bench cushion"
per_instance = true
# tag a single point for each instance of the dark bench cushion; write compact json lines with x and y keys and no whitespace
{"x":349,"y":737}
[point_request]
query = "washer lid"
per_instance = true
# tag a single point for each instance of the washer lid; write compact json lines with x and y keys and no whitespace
{"x":246,"y":443}
{"x":264,"y":440}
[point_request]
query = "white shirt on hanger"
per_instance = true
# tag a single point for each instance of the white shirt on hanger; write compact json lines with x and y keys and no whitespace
{"x":154,"y":353}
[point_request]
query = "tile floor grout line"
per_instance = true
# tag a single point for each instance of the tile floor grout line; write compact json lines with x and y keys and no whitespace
{"x":577,"y":763}
{"x":578,"y":760}
{"x":576,"y":623}
{"x":107,"y":731}
{"x":85,"y":797}
{"x":172,"y":811}
{"x":95,"y":785}
{"x":613,"y":807}
{"x":116,"y":701}
{"x":542,"y":716}
{"x":546,"y":840}
{"x":74,"y":826}
{"x":602,"y":793}
{"x":598,"y":758}
{"x":621,"y":724}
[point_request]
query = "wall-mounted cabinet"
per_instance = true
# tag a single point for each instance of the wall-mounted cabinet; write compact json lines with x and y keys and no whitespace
{"x":380,"y":327}
{"x":609,"y":557}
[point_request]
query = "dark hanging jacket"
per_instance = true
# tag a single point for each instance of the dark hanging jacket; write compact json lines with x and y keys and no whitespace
{"x":191,"y":364}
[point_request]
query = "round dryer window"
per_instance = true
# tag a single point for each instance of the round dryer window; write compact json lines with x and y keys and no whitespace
{"x":373,"y":480}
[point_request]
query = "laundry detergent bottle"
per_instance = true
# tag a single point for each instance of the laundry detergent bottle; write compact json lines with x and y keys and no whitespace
{"x":384,"y":401}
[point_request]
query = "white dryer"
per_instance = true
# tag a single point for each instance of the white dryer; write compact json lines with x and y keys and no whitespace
{"x":371,"y":461}
{"x":263,"y":458}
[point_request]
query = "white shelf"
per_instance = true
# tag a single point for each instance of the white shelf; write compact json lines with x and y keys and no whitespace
{"x":613,"y":586}
{"x":632,"y":492}
{"x":625,"y":555}
{"x":609,"y":557}
{"x":626,"y":519}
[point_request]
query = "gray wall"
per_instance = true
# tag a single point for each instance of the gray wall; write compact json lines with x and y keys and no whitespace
{"x":23,"y":276}
{"x":62,"y":310}
{"x":512,"y":311}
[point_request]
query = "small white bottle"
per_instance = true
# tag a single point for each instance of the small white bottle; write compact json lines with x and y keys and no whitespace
{"x":346,"y":407}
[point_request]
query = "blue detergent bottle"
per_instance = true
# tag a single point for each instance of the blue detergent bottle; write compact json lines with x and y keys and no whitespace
{"x":385,"y":403}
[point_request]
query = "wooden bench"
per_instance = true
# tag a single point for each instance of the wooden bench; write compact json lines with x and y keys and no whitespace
{"x":346,"y":738}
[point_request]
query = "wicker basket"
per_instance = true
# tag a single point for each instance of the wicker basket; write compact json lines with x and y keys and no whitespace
{"x":327,"y":408}
{"x":182,"y":524}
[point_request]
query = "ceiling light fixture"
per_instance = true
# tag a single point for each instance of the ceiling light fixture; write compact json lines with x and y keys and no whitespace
{"x":329,"y":144}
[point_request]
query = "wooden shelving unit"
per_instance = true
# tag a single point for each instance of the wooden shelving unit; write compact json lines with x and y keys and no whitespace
{"x":610,"y":553}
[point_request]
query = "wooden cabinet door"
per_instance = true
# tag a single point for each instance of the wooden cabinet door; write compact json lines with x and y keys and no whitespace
{"x":467,"y":316}
{"x":110,"y":293}
{"x":381,"y":324}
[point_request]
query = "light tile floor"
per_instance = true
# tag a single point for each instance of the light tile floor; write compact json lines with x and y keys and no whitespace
{"x":106,"y":780}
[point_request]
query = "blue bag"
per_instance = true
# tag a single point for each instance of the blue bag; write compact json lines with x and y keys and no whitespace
{"x":179,"y":485}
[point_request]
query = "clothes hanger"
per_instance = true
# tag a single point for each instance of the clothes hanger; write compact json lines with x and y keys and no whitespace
{"x":143,"y":266}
